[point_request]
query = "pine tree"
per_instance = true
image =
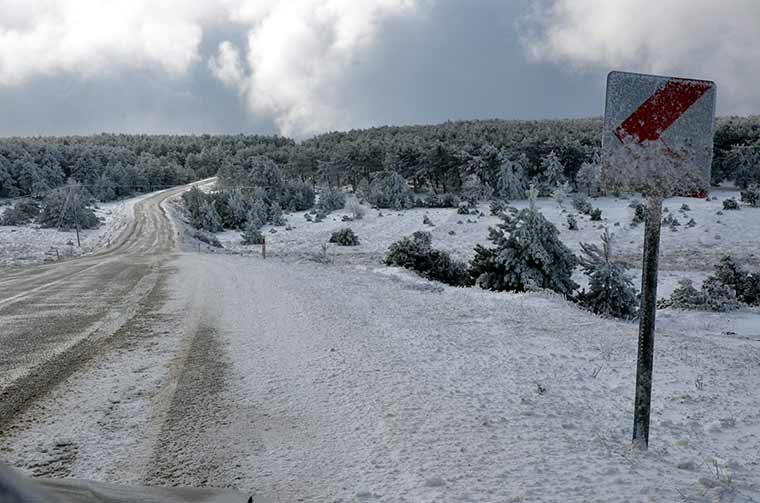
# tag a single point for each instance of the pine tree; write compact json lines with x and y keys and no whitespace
{"x":551,"y":174}
{"x":528,"y":254}
{"x":275,"y":214}
{"x":209,"y":219}
{"x":251,"y":234}
{"x":510,"y":180}
{"x":611,"y":291}
{"x":258,"y":214}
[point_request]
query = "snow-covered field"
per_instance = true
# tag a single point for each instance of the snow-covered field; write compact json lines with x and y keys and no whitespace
{"x":32,"y":244}
{"x":686,"y":252}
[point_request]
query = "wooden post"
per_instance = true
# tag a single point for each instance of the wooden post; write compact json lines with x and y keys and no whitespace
{"x":264,"y":247}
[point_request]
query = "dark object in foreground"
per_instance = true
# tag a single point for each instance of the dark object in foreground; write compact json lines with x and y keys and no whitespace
{"x":17,"y":488}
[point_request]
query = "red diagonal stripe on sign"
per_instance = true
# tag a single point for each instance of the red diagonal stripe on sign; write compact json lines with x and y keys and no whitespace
{"x":661,"y":109}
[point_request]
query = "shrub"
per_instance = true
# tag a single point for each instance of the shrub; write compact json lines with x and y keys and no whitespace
{"x":685,"y":207}
{"x":751,"y":196}
{"x":712,"y":297}
{"x":497,"y":206}
{"x":275,"y":214}
{"x":447,"y":200}
{"x":23,"y":212}
{"x":611,"y":291}
{"x":252,"y":235}
{"x":332,"y":200}
{"x":207,"y":238}
{"x":426,"y":221}
{"x":344,"y":237}
{"x":298,"y":196}
{"x":390,"y":190}
{"x":596,"y":214}
{"x":572,"y":223}
{"x":639,"y":212}
{"x":463,"y":210}
{"x":416,"y":253}
{"x":730,"y":204}
{"x":354,"y":207}
{"x":527,"y":254}
{"x":581,"y":204}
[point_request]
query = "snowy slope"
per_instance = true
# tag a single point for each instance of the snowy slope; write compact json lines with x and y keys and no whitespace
{"x":686,"y":252}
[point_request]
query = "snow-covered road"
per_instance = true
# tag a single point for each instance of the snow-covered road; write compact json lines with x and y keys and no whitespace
{"x":305,"y":382}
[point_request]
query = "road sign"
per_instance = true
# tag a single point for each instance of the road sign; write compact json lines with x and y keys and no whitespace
{"x":657,"y":139}
{"x":658,"y":134}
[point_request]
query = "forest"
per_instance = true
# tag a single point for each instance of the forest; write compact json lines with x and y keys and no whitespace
{"x":429,"y":165}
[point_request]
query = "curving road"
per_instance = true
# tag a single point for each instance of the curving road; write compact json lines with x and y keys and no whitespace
{"x":56,"y":316}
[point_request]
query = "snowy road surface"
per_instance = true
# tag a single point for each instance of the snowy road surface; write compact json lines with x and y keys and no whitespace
{"x":309,"y":382}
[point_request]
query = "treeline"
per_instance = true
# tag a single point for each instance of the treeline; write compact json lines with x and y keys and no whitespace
{"x":115,"y":166}
{"x":486,"y":158}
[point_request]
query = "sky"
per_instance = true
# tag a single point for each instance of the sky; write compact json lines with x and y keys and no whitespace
{"x":303,"y":67}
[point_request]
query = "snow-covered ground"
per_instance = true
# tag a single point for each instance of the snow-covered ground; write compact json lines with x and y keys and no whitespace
{"x":32,"y":244}
{"x":350,"y":383}
{"x":686,"y":252}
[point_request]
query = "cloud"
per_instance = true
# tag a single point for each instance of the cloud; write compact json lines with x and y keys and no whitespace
{"x":299,"y":54}
{"x":90,"y":38}
{"x":695,"y":38}
{"x":228,"y":67}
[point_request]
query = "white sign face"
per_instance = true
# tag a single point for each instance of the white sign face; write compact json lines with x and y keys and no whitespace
{"x":658,"y":134}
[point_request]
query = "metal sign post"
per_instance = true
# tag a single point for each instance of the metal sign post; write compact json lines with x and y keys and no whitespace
{"x":657,"y":139}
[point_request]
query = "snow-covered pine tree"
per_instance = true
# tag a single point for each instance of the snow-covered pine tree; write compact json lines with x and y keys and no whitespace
{"x":589,"y":178}
{"x":208,"y":218}
{"x":275,"y":214}
{"x":510,"y":180}
{"x":527,"y":254}
{"x":611,"y":291}
{"x":257,"y":216}
{"x":251,"y":234}
{"x":551,"y":174}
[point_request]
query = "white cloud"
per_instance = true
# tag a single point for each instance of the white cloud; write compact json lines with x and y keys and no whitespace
{"x":299,"y":53}
{"x":228,"y":67}
{"x":717,"y":40}
{"x":92,"y":37}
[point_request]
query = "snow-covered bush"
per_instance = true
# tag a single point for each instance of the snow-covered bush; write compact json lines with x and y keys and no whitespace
{"x":572,"y":222}
{"x":463,"y":209}
{"x":297,"y":196}
{"x":251,"y":234}
{"x":527,"y":254}
{"x":685,"y":207}
{"x":388,"y":189}
{"x":258,"y":214}
{"x":595,"y":214}
{"x":344,"y":237}
{"x":745,"y":285}
{"x":23,"y":212}
{"x":639,"y":212}
{"x":426,"y":221}
{"x":416,"y":253}
{"x":275,"y":214}
{"x":588,"y":178}
{"x":447,"y":200}
{"x":331,"y":200}
{"x":582,"y":204}
{"x":711,"y":297}
{"x":751,"y":196}
{"x":497,"y":207}
{"x":611,"y":291}
{"x":354,"y":207}
{"x":730,"y":204}
{"x":551,"y":174}
{"x":207,"y":238}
